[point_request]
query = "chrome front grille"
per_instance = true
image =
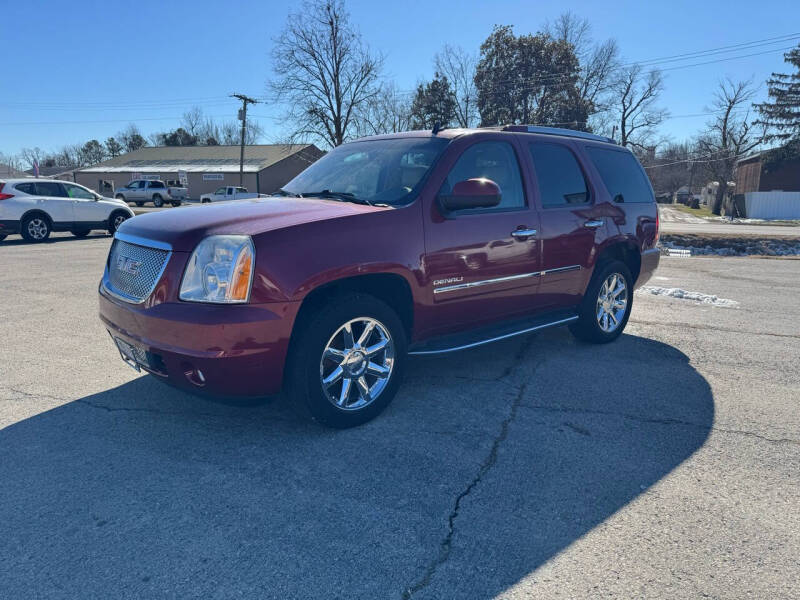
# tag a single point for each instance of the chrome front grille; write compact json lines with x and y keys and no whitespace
{"x":134,"y":270}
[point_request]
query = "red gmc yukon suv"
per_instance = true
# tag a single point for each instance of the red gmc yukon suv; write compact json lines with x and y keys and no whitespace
{"x":389,"y":246}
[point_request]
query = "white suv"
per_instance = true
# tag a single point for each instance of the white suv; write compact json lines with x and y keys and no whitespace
{"x":36,"y":207}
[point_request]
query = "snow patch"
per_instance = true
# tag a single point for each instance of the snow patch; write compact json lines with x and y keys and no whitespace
{"x":687,"y":295}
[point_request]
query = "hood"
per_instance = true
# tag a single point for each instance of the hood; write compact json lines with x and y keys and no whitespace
{"x":183,"y":228}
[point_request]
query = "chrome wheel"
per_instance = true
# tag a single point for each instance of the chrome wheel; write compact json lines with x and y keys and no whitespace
{"x":357,"y":363}
{"x":119,"y":220}
{"x":612,"y":302}
{"x":37,"y":228}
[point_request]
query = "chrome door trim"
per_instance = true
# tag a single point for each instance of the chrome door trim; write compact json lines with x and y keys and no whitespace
{"x":495,"y":339}
{"x":473,"y":284}
{"x":594,"y":223}
{"x":562,"y":269}
{"x":140,"y":241}
{"x":524,"y":233}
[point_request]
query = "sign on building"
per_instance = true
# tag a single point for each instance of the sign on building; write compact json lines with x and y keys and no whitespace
{"x":149,"y":177}
{"x":213,"y":176}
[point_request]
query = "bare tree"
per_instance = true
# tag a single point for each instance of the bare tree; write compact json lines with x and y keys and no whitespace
{"x":131,"y":138}
{"x":633,"y":102}
{"x":193,"y":120}
{"x":388,"y":111}
{"x":31,"y":155}
{"x":599,"y":61}
{"x":731,"y":135}
{"x":458,"y":66}
{"x":325,"y":74}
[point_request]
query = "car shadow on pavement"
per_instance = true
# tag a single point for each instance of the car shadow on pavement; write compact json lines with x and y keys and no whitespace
{"x":54,"y":239}
{"x":488,"y":464}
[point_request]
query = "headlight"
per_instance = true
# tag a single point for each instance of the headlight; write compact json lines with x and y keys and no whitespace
{"x":220,"y":270}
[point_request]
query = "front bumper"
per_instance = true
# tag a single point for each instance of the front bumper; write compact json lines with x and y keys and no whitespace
{"x":233,"y":350}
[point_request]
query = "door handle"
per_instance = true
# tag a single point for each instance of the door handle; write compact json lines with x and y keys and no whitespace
{"x":594,"y":223}
{"x":523,"y":233}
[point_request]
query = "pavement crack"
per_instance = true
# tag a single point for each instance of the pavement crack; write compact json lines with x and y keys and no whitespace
{"x":657,"y":421}
{"x":446,"y":545}
{"x":711,"y":328}
{"x":33,"y":396}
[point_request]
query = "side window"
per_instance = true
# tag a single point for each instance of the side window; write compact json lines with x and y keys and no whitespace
{"x":157,"y":184}
{"x":561,"y":181}
{"x":74,"y":191}
{"x":50,"y":188}
{"x":220,"y":191}
{"x":492,"y":160}
{"x":622,"y":174}
{"x":26,"y":188}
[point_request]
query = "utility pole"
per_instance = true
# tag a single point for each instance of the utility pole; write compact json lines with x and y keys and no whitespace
{"x":243,"y":118}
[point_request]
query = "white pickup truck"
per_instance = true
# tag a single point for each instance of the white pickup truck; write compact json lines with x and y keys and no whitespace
{"x":229,"y":192}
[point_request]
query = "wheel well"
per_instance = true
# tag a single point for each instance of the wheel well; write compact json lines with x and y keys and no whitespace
{"x":34,"y":212}
{"x":627,"y":252}
{"x":387,"y":287}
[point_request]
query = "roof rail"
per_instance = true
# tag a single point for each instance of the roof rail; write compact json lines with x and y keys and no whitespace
{"x":557,"y":131}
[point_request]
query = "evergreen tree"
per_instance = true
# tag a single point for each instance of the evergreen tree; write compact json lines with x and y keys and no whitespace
{"x":782,"y":112}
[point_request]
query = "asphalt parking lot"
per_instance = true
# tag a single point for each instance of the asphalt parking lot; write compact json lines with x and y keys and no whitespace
{"x":665,"y":465}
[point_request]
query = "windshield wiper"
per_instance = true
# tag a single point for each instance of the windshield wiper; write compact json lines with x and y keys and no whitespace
{"x":345,"y":196}
{"x":284,"y":192}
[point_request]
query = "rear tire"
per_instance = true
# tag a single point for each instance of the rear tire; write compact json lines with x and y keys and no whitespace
{"x":176,"y":203}
{"x":370,"y":365}
{"x":139,"y":203}
{"x":205,"y":201}
{"x":158,"y":201}
{"x":607,"y":304}
{"x":36,"y":228}
{"x":3,"y":236}
{"x":81,"y":233}
{"x":120,"y":197}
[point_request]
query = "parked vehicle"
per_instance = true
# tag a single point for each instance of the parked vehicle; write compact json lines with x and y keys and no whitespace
{"x":36,"y":207}
{"x":176,"y":191}
{"x":229,"y":192}
{"x":146,"y":190}
{"x":407,"y":244}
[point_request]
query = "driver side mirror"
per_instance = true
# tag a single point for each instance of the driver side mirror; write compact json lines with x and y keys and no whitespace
{"x":471,"y":193}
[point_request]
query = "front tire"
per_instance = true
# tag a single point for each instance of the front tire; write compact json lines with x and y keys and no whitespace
{"x":36,"y":228}
{"x":139,"y":203}
{"x":115,"y":220}
{"x":158,"y":201}
{"x":606,"y":306}
{"x":346,"y":361}
{"x":176,"y":203}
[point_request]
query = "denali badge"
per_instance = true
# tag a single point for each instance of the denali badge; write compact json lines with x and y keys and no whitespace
{"x":128,"y":265}
{"x":448,"y":280}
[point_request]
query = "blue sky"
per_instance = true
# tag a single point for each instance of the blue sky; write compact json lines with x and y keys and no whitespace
{"x":78,"y":70}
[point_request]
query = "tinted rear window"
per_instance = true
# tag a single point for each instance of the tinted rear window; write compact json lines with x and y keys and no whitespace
{"x":26,"y":188}
{"x":620,"y":171}
{"x":559,"y":175}
{"x":156,"y":184}
{"x":46,"y":188}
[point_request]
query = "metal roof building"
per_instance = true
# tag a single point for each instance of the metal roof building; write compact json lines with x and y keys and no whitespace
{"x":266,"y":167}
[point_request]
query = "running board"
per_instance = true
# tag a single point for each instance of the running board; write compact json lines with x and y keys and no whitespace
{"x":489,"y":334}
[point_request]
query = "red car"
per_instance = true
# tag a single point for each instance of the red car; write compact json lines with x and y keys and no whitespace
{"x":407,"y":244}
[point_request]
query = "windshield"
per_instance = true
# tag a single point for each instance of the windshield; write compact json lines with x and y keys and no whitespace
{"x":384,"y":171}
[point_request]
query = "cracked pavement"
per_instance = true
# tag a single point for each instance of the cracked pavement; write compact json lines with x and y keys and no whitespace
{"x":664,"y":465}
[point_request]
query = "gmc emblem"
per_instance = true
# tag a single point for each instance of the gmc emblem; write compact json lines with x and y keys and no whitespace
{"x":128,"y":265}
